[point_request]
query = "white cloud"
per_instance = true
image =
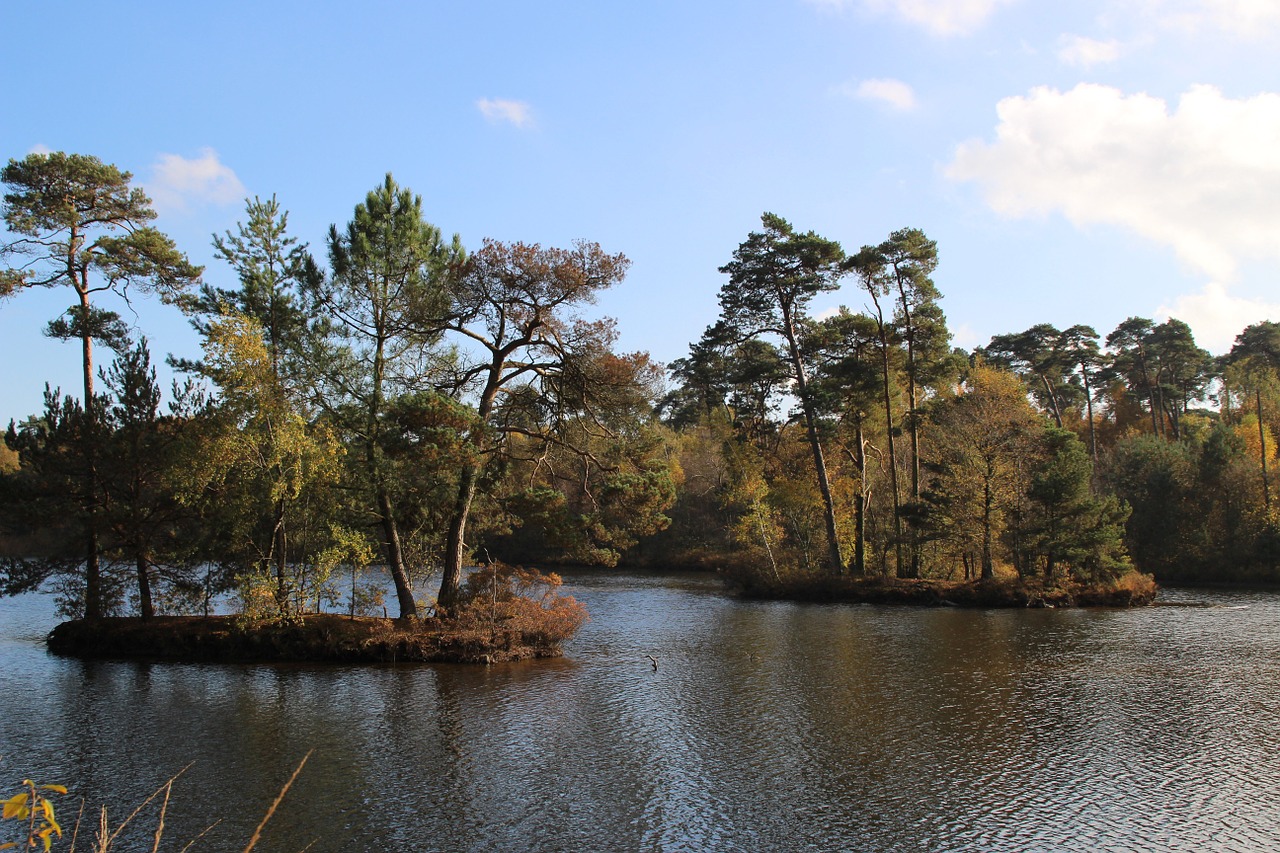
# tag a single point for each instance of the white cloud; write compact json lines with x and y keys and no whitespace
{"x":1083,"y":52}
{"x":1245,"y":18}
{"x":895,"y":93}
{"x":1216,"y":317}
{"x":1202,"y":179}
{"x":939,"y":17}
{"x":40,"y":148}
{"x":500,"y":110}
{"x":178,"y":184}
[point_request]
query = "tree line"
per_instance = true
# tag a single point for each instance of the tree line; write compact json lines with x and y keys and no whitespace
{"x":860,"y":442}
{"x":406,"y":403}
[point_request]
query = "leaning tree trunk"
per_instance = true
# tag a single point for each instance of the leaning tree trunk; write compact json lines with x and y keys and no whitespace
{"x":455,"y":545}
{"x":835,"y":562}
{"x":395,"y":556}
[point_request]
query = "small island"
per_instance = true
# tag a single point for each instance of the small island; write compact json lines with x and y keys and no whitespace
{"x":1133,"y":589}
{"x":506,"y":614}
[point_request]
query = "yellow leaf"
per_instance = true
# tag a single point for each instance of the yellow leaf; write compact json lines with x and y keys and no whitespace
{"x":16,"y":807}
{"x":60,"y":789}
{"x":8,"y":844}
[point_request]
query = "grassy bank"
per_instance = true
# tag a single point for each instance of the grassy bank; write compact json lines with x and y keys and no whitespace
{"x":1131,"y":590}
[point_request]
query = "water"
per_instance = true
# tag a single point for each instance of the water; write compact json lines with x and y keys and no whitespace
{"x":766,"y":726}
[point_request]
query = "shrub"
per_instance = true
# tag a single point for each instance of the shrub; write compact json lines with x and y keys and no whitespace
{"x":518,"y":606}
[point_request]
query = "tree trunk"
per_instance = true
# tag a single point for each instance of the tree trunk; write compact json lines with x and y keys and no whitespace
{"x":893,"y":454}
{"x":93,"y":604}
{"x":988,"y":564}
{"x":1053,"y":400}
{"x":279,"y":546}
{"x":835,"y":562}
{"x":860,"y":506}
{"x":859,"y":460}
{"x":145,"y":606}
{"x":395,"y":557}
{"x":455,"y":548}
{"x":1088,"y":400}
{"x":914,"y":431}
{"x":1262,"y":444}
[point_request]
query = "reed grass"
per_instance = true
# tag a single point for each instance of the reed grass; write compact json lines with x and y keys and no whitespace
{"x":105,"y":838}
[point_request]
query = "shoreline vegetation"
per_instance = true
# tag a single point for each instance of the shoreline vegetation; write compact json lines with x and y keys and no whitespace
{"x":1133,"y":589}
{"x":518,"y":628}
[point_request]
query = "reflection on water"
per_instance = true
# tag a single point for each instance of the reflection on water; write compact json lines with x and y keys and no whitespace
{"x":766,"y":726}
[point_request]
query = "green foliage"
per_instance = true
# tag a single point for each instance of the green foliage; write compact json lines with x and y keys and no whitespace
{"x":388,"y":298}
{"x":1158,"y":480}
{"x":1070,"y":529}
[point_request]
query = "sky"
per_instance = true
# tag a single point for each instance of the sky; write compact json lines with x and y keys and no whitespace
{"x":1076,"y":162}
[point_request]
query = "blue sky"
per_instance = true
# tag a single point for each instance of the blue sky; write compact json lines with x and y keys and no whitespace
{"x":1076,"y":162}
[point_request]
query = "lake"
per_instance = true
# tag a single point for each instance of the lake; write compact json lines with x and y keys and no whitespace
{"x":765,"y":726}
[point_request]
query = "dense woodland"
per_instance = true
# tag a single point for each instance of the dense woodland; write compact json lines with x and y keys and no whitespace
{"x":398,"y":400}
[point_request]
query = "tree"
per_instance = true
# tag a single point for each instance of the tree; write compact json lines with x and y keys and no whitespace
{"x":515,"y":310}
{"x":273,"y":270}
{"x":42,"y":505}
{"x":987,"y":432}
{"x":1157,"y":479}
{"x":1183,"y":370}
{"x":77,"y":223}
{"x":258,"y":455}
{"x":911,"y":258}
{"x":386,"y":296}
{"x":1255,"y":357}
{"x":1040,"y":357}
{"x":774,"y":275}
{"x":1132,"y":361}
{"x":869,"y":268}
{"x":1071,"y":528}
{"x":142,"y":508}
{"x":1080,"y":345}
{"x":846,"y":386}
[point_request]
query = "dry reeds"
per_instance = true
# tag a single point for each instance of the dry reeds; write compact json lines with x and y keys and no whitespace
{"x":105,"y":838}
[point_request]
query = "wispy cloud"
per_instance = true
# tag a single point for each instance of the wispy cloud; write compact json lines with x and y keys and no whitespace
{"x":40,"y":148}
{"x":1248,"y":19}
{"x":1201,"y":179}
{"x":894,"y":93}
{"x":500,"y":110}
{"x":938,"y":17}
{"x":178,"y":184}
{"x":1216,"y":317}
{"x":1083,"y":52}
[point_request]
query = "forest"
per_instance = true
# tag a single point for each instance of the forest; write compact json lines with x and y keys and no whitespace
{"x":401,"y":406}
